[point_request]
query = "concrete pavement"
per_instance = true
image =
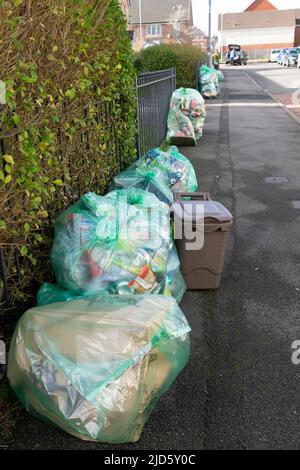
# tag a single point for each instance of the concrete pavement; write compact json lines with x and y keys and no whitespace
{"x":253,"y":319}
{"x":240,"y":388}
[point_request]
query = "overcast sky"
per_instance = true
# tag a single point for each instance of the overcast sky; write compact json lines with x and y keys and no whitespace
{"x":200,"y":8}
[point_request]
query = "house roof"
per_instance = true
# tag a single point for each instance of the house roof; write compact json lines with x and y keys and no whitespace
{"x":259,"y":5}
{"x":158,"y":11}
{"x":259,"y":19}
{"x":195,"y":31}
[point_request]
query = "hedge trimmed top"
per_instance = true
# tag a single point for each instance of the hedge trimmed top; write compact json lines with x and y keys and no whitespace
{"x":183,"y":57}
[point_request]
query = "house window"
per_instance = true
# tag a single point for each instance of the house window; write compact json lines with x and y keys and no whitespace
{"x":297,"y":21}
{"x":154,"y":30}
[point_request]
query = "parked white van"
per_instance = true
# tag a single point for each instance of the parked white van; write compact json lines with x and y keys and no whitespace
{"x":274,"y":55}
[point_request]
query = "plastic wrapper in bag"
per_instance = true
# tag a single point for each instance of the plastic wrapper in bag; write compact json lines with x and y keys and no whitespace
{"x":208,"y":80}
{"x":119,"y":243}
{"x":192,"y":105}
{"x":96,"y":368}
{"x":179,"y":125}
{"x":164,"y":169}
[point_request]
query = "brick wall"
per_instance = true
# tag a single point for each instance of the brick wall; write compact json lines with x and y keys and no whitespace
{"x":168,"y":36}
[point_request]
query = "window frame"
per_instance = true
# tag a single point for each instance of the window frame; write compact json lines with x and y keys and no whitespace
{"x":158,"y":30}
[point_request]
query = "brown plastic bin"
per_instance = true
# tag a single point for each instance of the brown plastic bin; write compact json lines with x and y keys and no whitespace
{"x":183,"y":141}
{"x":202,"y":269}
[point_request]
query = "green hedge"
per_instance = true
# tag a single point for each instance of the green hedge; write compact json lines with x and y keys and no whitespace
{"x":69,"y":123}
{"x":181,"y":56}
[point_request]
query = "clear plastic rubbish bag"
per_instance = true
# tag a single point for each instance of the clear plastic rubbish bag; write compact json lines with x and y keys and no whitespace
{"x":96,"y":368}
{"x":208,"y":81}
{"x":192,"y":105}
{"x":119,"y":243}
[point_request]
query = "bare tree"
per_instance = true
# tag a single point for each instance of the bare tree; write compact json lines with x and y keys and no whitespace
{"x":176,"y":18}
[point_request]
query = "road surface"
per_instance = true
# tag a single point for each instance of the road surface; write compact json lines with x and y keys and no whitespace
{"x":240,"y":389}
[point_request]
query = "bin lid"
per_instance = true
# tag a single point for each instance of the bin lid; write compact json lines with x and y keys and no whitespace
{"x":212,"y":210}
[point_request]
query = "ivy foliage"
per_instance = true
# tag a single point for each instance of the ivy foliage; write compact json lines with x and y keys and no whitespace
{"x":69,"y":121}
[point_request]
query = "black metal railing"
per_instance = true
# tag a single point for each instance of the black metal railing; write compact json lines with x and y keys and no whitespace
{"x":154,"y":91}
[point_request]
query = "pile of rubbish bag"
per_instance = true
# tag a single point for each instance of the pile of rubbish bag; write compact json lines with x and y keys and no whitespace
{"x":96,"y":368}
{"x":161,"y":173}
{"x":120,"y":243}
{"x":187,"y":115}
{"x":109,"y":338}
{"x":209,"y":81}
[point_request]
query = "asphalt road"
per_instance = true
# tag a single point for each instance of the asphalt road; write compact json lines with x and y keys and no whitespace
{"x":282,"y":83}
{"x":240,"y":388}
{"x":276,"y":78}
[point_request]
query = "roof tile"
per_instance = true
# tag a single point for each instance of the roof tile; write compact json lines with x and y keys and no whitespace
{"x":158,"y":11}
{"x":260,"y":19}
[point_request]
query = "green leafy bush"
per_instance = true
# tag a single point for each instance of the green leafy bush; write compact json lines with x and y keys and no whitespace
{"x":183,"y":57}
{"x":69,"y":122}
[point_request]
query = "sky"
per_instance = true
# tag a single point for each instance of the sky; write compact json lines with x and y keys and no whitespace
{"x":200,"y":9}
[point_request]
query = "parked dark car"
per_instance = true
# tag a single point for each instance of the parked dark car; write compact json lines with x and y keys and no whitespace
{"x":240,"y":57}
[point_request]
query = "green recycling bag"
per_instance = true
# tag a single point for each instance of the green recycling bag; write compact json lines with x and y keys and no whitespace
{"x":119,"y":243}
{"x":220,"y":75}
{"x":161,"y":173}
{"x":52,"y":293}
{"x":149,"y":180}
{"x":97,"y":367}
{"x":208,"y":81}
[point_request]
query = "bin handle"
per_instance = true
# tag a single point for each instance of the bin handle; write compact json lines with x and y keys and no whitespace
{"x":203,"y":196}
